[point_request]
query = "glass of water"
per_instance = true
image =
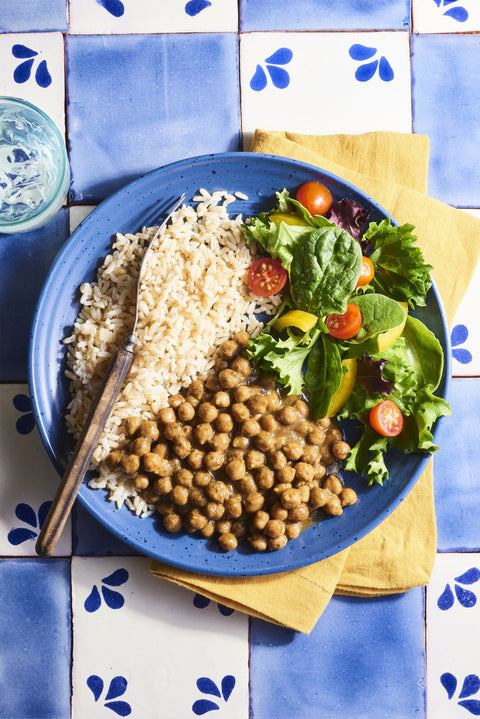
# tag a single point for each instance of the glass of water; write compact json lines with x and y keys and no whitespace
{"x":34,"y":170}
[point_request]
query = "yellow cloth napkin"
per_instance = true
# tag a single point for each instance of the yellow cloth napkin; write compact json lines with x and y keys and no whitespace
{"x":400,"y":552}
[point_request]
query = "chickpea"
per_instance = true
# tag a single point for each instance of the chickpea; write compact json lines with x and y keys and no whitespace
{"x":242,"y":365}
{"x":195,"y":458}
{"x":115,"y":457}
{"x":275,"y":543}
{"x":347,"y":497}
{"x":302,"y":408}
{"x":258,"y":404}
{"x":197,"y":497}
{"x":172,"y":522}
{"x":182,"y":448}
{"x":304,"y":471}
{"x":221,"y":399}
{"x":222,"y":526}
{"x":277,"y":511}
{"x":250,"y":428}
{"x":207,"y":412}
{"x":184,"y":477}
{"x":265,"y":478}
{"x":274,"y":528}
{"x":305,"y":426}
{"x":191,"y":399}
{"x":214,"y":510}
{"x":260,"y":519}
{"x":213,"y":461}
{"x":286,"y":474}
{"x":258,"y":542}
{"x":201,"y":479}
{"x":216,"y":491}
{"x":141,"y":481}
{"x":274,"y":401}
{"x":196,"y":389}
{"x":208,"y":530}
{"x":334,"y":435}
{"x":233,"y":507}
{"x":243,"y":392}
{"x":235,"y":469}
{"x":304,"y":491}
{"x":247,"y":485}
{"x":325,"y":422}
{"x":149,"y":429}
{"x":264,"y":441}
{"x":157,"y":465}
{"x":131,"y":463}
{"x":162,"y":485}
{"x":293,"y":529}
{"x":290,"y":498}
{"x":185,"y":411}
{"x":175,"y":400}
{"x":240,"y":411}
{"x":240,"y":443}
{"x":319,"y":472}
{"x":311,"y":454}
{"x":317,"y":436}
{"x":236,"y":453}
{"x":174,"y":431}
{"x":229,"y":349}
{"x":196,"y":519}
{"x":254,"y":459}
{"x":132,"y":425}
{"x":268,"y":423}
{"x":179,"y":495}
{"x":242,"y":338}
{"x":334,"y":506}
{"x":299,"y":514}
{"x":160,"y":449}
{"x":203,"y":432}
{"x":163,"y":506}
{"x":333,"y":484}
{"x":224,"y":422}
{"x":212,"y":383}
{"x":219,"y":442}
{"x":253,"y":502}
{"x":279,"y":459}
{"x":229,"y":378}
{"x":293,"y":450}
{"x":287,"y":415}
{"x":239,"y":528}
{"x":140,"y":446}
{"x":341,"y":449}
{"x":167,"y":415}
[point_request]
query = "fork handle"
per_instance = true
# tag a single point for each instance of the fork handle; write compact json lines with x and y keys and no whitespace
{"x":82,"y":454}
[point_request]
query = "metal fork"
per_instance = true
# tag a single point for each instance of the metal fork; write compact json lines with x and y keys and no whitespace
{"x":100,"y":412}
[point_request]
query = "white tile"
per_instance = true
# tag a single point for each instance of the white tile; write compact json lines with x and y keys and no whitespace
{"x":466,"y":329}
{"x":307,"y":82}
{"x":445,"y":16}
{"x":156,"y":639}
{"x":147,"y":16}
{"x":453,"y":636}
{"x":28,"y":478}
{"x":41,"y":74}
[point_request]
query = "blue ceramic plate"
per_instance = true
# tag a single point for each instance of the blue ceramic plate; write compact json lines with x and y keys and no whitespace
{"x":259,"y":177}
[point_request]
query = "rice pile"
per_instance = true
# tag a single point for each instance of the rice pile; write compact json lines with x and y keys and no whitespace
{"x":193,"y":297}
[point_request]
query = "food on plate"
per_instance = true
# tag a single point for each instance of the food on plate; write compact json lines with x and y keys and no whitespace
{"x":233,"y":457}
{"x":362,"y":356}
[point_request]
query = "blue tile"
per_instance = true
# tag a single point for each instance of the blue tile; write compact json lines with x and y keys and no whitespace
{"x":167,"y":96}
{"x":25,"y":260}
{"x":90,"y":538}
{"x":457,"y":489}
{"x":446,"y":106}
{"x":35,"y":645}
{"x":32,"y":16}
{"x":364,"y":659}
{"x":258,"y":15}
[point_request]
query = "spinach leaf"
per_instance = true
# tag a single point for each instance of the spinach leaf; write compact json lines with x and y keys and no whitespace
{"x":324,"y":270}
{"x":323,"y":375}
{"x":379,"y":314}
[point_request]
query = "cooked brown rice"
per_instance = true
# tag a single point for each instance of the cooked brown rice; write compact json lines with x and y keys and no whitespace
{"x":193,"y":297}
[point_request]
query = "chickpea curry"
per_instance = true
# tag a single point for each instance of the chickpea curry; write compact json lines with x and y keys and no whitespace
{"x":234,"y":458}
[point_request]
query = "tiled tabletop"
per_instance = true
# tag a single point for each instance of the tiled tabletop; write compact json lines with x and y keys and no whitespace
{"x":136,"y":84}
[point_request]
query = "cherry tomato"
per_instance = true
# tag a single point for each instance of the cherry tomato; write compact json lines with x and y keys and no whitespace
{"x":386,"y":418}
{"x":315,"y":197}
{"x":366,"y":272}
{"x":345,"y":326}
{"x":266,"y":277}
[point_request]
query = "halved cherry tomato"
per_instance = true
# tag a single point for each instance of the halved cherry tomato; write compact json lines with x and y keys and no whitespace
{"x":315,"y":197}
{"x":386,"y":418}
{"x":367,"y":271}
{"x":345,"y":326}
{"x":266,"y":277}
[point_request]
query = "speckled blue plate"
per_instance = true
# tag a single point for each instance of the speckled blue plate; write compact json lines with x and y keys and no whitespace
{"x":259,"y":177}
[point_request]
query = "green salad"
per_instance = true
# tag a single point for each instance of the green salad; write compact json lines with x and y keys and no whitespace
{"x":343,"y":335}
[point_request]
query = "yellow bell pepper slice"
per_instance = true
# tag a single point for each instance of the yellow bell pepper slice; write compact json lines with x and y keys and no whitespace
{"x":278,"y":217}
{"x":296,"y":318}
{"x":386,"y":339}
{"x":346,"y":387}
